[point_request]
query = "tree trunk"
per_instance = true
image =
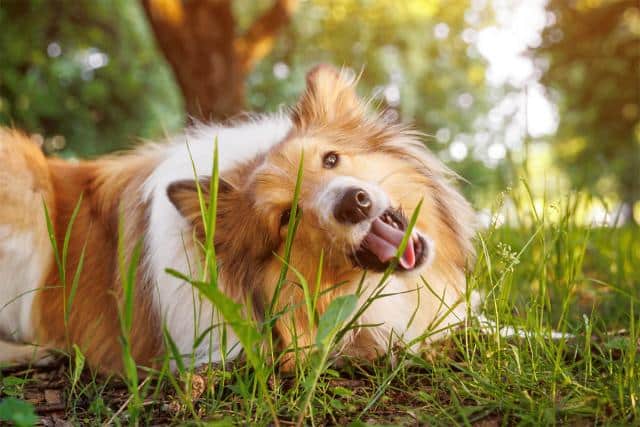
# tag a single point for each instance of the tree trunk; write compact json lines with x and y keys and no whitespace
{"x":209,"y":61}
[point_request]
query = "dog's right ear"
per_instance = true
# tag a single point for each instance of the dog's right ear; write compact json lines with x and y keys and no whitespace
{"x":330,"y":95}
{"x":184,"y":196}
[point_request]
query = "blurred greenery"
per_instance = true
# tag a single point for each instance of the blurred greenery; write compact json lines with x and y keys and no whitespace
{"x":593,"y":54}
{"x":83,"y":70}
{"x":410,"y":71}
{"x":90,"y":72}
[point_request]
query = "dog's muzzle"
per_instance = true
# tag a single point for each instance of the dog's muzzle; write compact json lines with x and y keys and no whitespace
{"x":385,"y":235}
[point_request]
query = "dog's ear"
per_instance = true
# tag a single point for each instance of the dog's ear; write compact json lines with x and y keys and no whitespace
{"x":184,"y":196}
{"x":330,"y":95}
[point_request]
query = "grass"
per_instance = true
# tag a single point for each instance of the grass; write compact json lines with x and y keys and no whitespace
{"x":548,"y":274}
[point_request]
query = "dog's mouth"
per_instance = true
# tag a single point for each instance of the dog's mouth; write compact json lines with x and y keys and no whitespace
{"x":382,"y":242}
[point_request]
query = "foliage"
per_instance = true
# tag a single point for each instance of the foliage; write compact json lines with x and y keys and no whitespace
{"x":86,"y":71}
{"x":593,"y":55}
{"x":18,"y":412}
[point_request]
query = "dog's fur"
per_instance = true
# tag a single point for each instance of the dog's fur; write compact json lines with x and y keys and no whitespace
{"x":151,"y":197}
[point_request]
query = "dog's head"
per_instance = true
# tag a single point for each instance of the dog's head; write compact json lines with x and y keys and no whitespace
{"x":362,"y":181}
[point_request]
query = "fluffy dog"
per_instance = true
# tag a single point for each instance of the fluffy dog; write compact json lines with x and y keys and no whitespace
{"x":363,"y":179}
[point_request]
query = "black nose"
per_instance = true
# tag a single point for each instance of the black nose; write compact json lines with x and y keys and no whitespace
{"x":353,"y":207}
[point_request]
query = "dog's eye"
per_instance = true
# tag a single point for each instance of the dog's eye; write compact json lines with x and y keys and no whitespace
{"x":284,"y":218}
{"x":330,"y":160}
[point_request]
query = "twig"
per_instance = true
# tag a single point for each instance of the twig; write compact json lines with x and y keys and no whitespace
{"x":124,"y":405}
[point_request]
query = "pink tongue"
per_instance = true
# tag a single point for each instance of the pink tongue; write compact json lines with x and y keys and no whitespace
{"x":384,"y":240}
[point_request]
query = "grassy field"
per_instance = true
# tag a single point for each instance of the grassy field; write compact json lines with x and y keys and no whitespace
{"x":546,"y":273}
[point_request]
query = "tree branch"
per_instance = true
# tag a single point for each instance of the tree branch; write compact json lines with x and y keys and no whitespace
{"x":168,"y":11}
{"x":258,"y":41}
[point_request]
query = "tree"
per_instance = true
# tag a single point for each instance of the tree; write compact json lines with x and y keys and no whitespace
{"x":593,"y":54}
{"x":210,"y":62}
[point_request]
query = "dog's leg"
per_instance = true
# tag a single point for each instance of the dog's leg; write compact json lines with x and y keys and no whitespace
{"x":22,"y":354}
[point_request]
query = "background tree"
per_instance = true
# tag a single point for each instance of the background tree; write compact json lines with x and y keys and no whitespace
{"x":593,"y":54}
{"x":209,"y":59}
{"x":418,"y":60}
{"x":84,"y":74}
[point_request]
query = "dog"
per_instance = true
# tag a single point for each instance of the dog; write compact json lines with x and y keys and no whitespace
{"x":362,"y":181}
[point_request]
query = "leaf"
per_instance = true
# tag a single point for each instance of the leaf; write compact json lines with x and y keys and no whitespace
{"x":332,"y":372}
{"x":291,"y":231}
{"x":225,"y":422}
{"x":174,"y":350}
{"x":233,"y":314}
{"x":18,"y":411}
{"x":617,"y":343}
{"x":77,"y":368}
{"x":12,"y":386}
{"x":75,"y":282}
{"x":342,"y":391}
{"x":336,"y":404}
{"x":336,"y":314}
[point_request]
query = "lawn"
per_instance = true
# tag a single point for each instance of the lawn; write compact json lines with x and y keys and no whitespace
{"x":543,"y":273}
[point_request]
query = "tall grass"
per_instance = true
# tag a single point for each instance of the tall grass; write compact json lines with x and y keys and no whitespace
{"x":60,"y":256}
{"x":128,"y":268}
{"x":547,"y":274}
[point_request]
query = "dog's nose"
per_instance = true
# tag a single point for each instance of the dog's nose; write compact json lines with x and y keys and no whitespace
{"x":353,"y":207}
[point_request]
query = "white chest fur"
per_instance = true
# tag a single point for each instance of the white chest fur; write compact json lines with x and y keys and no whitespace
{"x":187,"y":316}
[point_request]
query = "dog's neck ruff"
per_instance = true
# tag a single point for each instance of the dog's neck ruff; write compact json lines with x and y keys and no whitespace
{"x":186,"y":315}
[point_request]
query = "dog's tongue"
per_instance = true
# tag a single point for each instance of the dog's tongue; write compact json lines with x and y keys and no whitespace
{"x":384,"y":240}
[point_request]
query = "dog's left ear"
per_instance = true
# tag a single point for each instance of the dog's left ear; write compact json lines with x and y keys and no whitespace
{"x":184,"y":196}
{"x":330,"y":95}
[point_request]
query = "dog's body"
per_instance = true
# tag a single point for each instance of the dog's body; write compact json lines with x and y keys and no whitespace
{"x":357,"y":173}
